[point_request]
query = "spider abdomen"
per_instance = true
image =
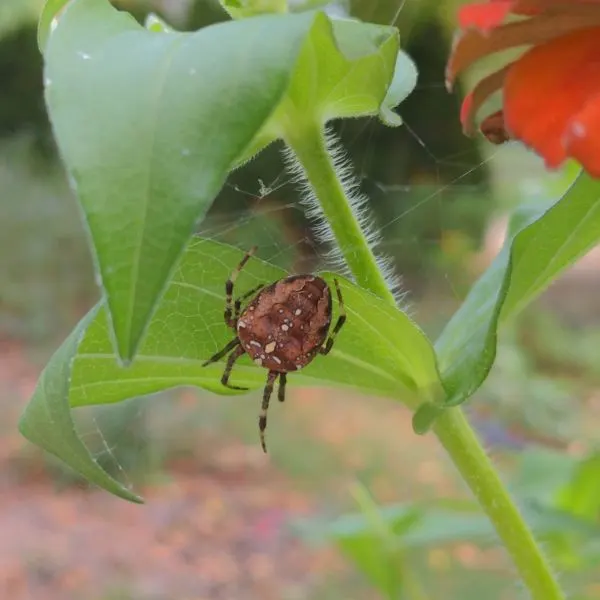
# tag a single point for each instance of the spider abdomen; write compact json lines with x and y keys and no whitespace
{"x":285,"y":324}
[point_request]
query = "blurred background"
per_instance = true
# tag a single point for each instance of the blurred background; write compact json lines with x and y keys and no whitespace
{"x":222,"y":521}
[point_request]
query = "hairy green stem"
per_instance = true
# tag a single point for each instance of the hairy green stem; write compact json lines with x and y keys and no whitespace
{"x":310,"y":147}
{"x":452,"y":428}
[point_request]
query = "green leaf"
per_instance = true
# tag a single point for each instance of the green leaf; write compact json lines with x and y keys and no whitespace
{"x":375,"y":550}
{"x":352,"y":82}
{"x":419,"y":525}
{"x":403,"y":83}
{"x":581,"y":495}
{"x":379,"y":350}
{"x":149,"y":127}
{"x":539,"y":247}
{"x":240,"y":9}
{"x":426,"y":524}
{"x":540,"y":472}
{"x":47,"y":419}
{"x":50,"y":12}
{"x":424,"y":417}
{"x":345,"y":69}
{"x":150,"y":122}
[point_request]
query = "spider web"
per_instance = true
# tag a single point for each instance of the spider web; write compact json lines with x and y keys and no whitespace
{"x":134,"y":437}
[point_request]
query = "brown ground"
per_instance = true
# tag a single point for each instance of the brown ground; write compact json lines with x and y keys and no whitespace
{"x":200,"y":536}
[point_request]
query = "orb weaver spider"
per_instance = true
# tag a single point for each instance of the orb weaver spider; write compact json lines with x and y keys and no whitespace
{"x":282,"y":328}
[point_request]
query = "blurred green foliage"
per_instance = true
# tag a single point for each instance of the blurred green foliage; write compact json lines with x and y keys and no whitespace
{"x":47,"y":276}
{"x":562,"y":510}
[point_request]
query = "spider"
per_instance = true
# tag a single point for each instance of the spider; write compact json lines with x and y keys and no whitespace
{"x":282,"y":328}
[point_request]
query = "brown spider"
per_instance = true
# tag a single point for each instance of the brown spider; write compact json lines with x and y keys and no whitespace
{"x":282,"y":329}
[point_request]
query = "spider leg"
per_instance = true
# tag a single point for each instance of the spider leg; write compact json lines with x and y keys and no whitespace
{"x":221,"y":353}
{"x":262,"y":419}
{"x":229,"y":288}
{"x":238,"y":303}
{"x":340,"y":322}
{"x":228,"y":368}
{"x":281,"y":391}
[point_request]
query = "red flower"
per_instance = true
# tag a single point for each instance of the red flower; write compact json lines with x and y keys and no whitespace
{"x":551,"y":93}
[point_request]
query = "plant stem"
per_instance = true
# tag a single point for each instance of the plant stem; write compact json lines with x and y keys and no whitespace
{"x":451,"y":428}
{"x":461,"y":443}
{"x":310,"y":147}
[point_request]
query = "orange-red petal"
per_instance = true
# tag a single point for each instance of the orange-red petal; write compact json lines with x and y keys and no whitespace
{"x":547,"y":88}
{"x":490,"y":14}
{"x":482,"y":91}
{"x":582,"y":137}
{"x":484,"y":15}
{"x":473,"y":44}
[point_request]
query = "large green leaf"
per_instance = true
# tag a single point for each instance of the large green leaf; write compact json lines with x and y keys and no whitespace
{"x":149,"y":127}
{"x":149,"y":123}
{"x":380,"y":350}
{"x":50,"y":423}
{"x":540,"y":245}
